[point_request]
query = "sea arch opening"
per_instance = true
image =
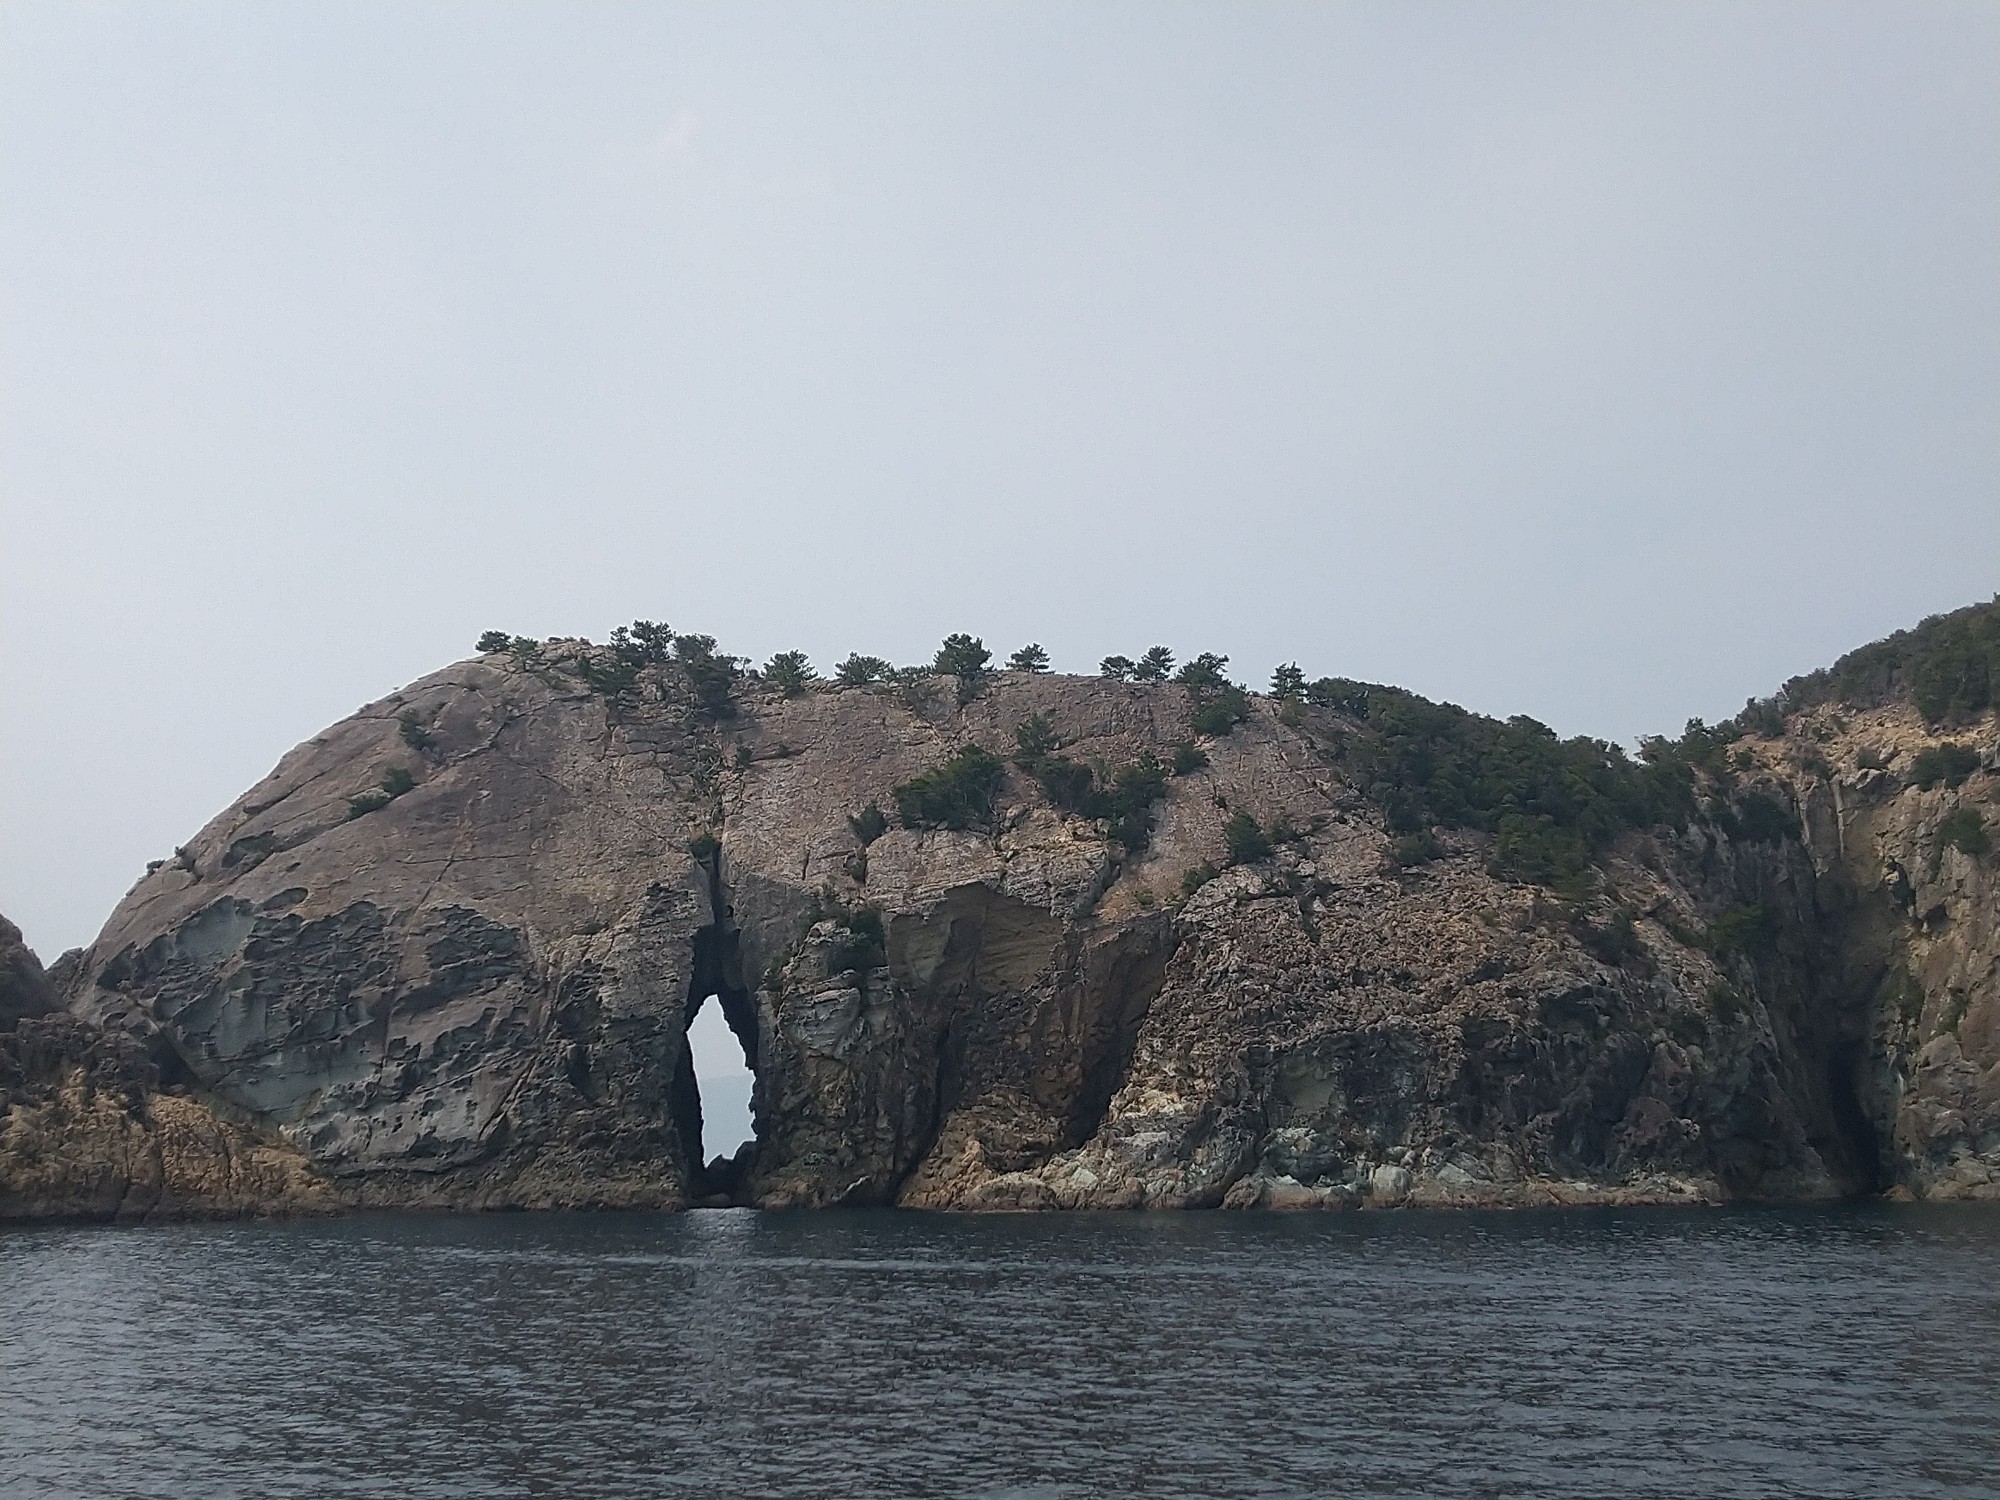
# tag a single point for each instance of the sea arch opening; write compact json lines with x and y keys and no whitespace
{"x":714,"y":1107}
{"x":723,"y":1080}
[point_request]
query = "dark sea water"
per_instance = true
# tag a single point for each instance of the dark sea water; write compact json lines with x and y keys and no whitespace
{"x":1838,"y":1352}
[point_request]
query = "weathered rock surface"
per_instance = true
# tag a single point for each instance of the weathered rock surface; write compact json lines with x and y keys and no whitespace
{"x":1908,"y":935}
{"x":475,"y":992}
{"x":87,"y":1129}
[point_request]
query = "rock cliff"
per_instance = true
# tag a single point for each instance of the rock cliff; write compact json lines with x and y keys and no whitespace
{"x":89,"y":1129}
{"x":1018,"y":940}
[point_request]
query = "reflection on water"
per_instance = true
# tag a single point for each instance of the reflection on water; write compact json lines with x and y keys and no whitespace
{"x":1839,"y":1352}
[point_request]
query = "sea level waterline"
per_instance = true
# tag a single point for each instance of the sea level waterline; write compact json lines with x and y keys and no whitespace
{"x":1851,"y":1351}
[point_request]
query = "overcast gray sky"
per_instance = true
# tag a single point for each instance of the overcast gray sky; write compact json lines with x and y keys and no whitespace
{"x":1602,"y":362}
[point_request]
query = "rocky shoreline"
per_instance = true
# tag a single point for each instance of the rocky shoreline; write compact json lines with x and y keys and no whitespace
{"x":89,"y":1132}
{"x":1005,"y":940}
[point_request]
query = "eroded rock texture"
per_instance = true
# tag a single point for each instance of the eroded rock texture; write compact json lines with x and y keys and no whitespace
{"x":475,"y":992}
{"x":89,"y":1129}
{"x":1904,"y":955}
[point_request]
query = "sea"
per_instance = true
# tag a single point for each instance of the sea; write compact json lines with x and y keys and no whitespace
{"x":1824,"y":1352}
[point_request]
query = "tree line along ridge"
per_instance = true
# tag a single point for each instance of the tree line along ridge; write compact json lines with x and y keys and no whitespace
{"x":1549,"y":808}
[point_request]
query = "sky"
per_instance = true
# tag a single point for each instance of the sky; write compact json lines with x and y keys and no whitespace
{"x":1606,"y":363}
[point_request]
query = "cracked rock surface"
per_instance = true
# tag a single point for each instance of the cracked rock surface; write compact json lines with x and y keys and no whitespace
{"x":474,"y":992}
{"x":89,"y":1129}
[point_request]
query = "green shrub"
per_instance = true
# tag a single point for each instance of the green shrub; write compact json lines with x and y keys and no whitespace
{"x":1069,"y":784}
{"x":703,"y":847}
{"x":790,"y":672}
{"x":860,"y":671}
{"x":1155,"y":666}
{"x":1216,"y":713}
{"x":1950,"y":763}
{"x":1215,"y":704}
{"x":1699,"y":748}
{"x":414,"y":734}
{"x":626,"y":649}
{"x":915,"y":687}
{"x":1955,"y":682}
{"x":1197,"y":877}
{"x":862,"y":944}
{"x":1744,"y":929}
{"x":1949,"y":666}
{"x":1118,"y":668}
{"x":1188,"y":757}
{"x":869,"y":824}
{"x":711,"y":675}
{"x":1134,"y":790}
{"x":1763,"y":716}
{"x":964,"y":658}
{"x":957,"y":794}
{"x":1418,"y":848}
{"x":1030,"y":658}
{"x":1124,"y":799}
{"x":495,"y":640}
{"x":641,"y":644}
{"x":1036,"y":739}
{"x":1964,"y":831}
{"x":395,"y":781}
{"x":362,"y":803}
{"x":1534,"y":847}
{"x":609,"y":678}
{"x":653,"y":642}
{"x":1868,"y":758}
{"x":1204,"y":673}
{"x":1338,"y":693}
{"x":1550,"y":804}
{"x":1246,"y":841}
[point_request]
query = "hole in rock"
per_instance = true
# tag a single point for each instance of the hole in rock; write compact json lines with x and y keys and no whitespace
{"x":723,"y":1081}
{"x":1860,"y":1142}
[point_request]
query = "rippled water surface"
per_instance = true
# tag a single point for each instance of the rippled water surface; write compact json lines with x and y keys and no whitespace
{"x":1841,"y":1352}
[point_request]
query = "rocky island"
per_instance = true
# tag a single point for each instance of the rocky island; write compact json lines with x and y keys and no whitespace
{"x":995,"y":938}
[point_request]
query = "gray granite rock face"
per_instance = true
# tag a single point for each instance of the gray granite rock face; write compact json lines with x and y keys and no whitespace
{"x":475,"y":991}
{"x":24,"y":988}
{"x":89,"y":1129}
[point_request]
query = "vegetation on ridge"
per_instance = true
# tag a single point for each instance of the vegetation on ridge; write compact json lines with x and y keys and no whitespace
{"x":395,"y":781}
{"x":957,"y":794}
{"x":1948,"y":666}
{"x":1123,"y":798}
{"x":1549,"y":807}
{"x":790,"y":672}
{"x":1949,"y":763}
